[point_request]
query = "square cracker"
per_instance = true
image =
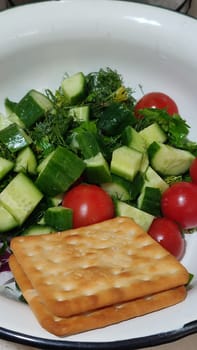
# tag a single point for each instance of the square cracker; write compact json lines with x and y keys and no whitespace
{"x":95,"y":319}
{"x":83,"y":269}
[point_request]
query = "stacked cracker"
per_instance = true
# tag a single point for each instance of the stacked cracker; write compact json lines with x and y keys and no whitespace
{"x":95,"y":276}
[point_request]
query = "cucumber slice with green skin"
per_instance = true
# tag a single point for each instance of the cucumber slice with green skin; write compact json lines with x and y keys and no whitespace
{"x":145,"y":162}
{"x":20,"y":197}
{"x":10,"y":106}
{"x":142,"y":218}
{"x":168,"y":160}
{"x":7,"y":221}
{"x":55,"y":201}
{"x":14,"y":138}
{"x":59,"y":171}
{"x":4,"y":121}
{"x":32,"y":107}
{"x":26,"y":161}
{"x":44,"y":162}
{"x":137,"y":185}
{"x":87,"y":144}
{"x":126,"y":162}
{"x":13,"y":118}
{"x":153,"y":133}
{"x":36,"y":230}
{"x":80,"y":114}
{"x":97,"y":169}
{"x":74,"y":88}
{"x":118,"y":188}
{"x":59,"y":218}
{"x":133,"y":139}
{"x":149,"y":201}
{"x":114,"y":118}
{"x":152,"y":179}
{"x":5,"y":167}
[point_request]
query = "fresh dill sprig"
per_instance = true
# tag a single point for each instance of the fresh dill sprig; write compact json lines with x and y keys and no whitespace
{"x":105,"y":87}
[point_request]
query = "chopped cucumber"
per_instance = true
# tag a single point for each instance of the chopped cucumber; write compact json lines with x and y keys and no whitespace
{"x":10,"y":106}
{"x":142,"y":218}
{"x":133,"y":139}
{"x":26,"y":161}
{"x":7,"y":221}
{"x":59,"y":218}
{"x":97,"y":169}
{"x":114,"y":118}
{"x":126,"y":162}
{"x":80,"y":114}
{"x":5,"y":166}
{"x":152,"y":179}
{"x":44,"y":162}
{"x":118,"y":188}
{"x":153,"y":133}
{"x":14,"y":138}
{"x":4,"y":122}
{"x":32,"y":107}
{"x":149,"y":200}
{"x":87,"y":144}
{"x":37,"y":229}
{"x":137,"y":185}
{"x":20,"y":197}
{"x":88,"y":114}
{"x":144,"y":163}
{"x":13,"y":118}
{"x":168,"y":160}
{"x":74,"y":88}
{"x":59,"y":172}
{"x":55,"y":201}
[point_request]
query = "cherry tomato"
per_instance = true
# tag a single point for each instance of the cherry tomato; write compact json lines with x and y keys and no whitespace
{"x":193,"y":171}
{"x":156,"y":100}
{"x":90,"y":204}
{"x":167,"y":233}
{"x":179,"y":203}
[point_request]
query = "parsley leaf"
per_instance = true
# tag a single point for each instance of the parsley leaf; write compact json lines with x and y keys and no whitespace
{"x":175,"y":127}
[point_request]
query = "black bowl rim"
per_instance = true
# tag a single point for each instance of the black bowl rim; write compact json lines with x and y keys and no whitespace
{"x":127,"y":344}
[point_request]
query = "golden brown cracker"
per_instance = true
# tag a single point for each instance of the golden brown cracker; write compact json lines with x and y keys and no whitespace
{"x":83,"y":269}
{"x":95,"y":319}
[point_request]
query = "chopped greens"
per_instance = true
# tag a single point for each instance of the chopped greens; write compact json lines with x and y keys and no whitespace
{"x":109,"y":109}
{"x":176,"y":128}
{"x":105,"y":87}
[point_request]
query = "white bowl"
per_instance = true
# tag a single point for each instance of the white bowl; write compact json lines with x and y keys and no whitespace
{"x":151,"y":47}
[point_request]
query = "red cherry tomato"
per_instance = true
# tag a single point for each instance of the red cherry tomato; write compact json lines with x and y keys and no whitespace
{"x":167,"y":233}
{"x":156,"y":100}
{"x":179,"y":203}
{"x":90,"y":204}
{"x":193,"y":171}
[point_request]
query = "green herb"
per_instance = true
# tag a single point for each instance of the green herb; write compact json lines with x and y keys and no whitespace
{"x":105,"y":87}
{"x":115,"y":118}
{"x":170,"y":180}
{"x":175,"y":127}
{"x":102,"y":85}
{"x":51,"y":131}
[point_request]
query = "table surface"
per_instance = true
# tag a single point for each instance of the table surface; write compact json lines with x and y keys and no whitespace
{"x":189,"y":342}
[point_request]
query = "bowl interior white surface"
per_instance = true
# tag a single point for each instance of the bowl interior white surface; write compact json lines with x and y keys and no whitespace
{"x":154,"y":48}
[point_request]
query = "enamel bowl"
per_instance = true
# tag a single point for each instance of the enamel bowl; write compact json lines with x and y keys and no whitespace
{"x":154,"y":50}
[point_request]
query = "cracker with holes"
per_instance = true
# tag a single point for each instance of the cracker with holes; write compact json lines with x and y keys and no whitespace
{"x":82,"y":270}
{"x":95,"y":319}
